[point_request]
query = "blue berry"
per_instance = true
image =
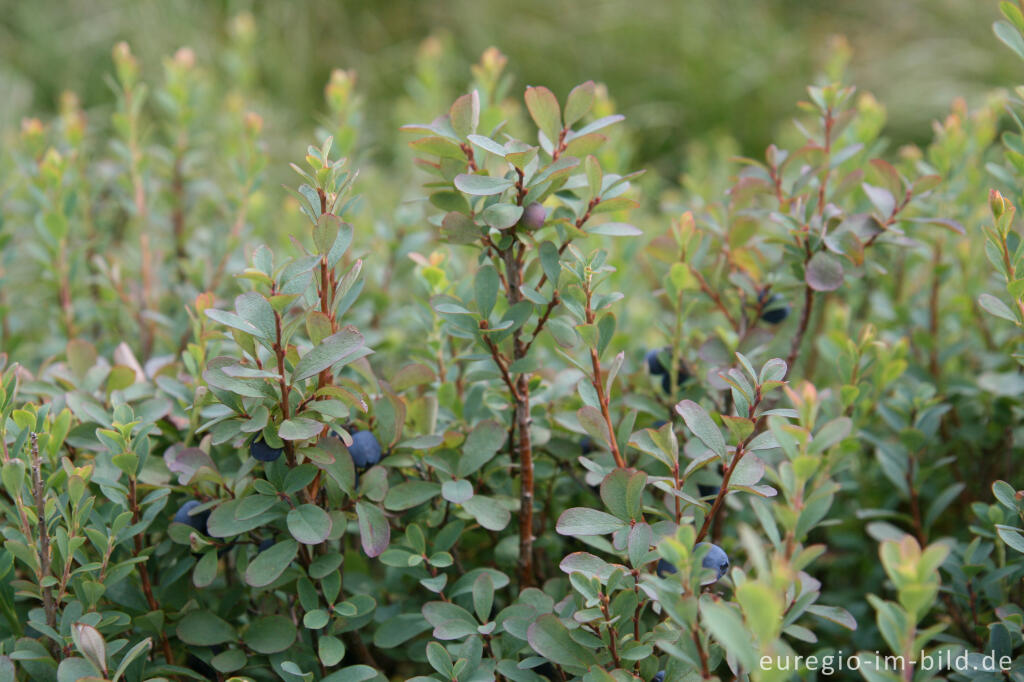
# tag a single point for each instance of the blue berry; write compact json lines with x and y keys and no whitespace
{"x":587,"y":445}
{"x":716,"y":559}
{"x":775,"y":310}
{"x":196,"y":521}
{"x":365,"y":449}
{"x":660,"y":677}
{"x":706,"y":490}
{"x":653,"y":360}
{"x":259,"y":449}
{"x":265,"y":544}
{"x":681,"y":378}
{"x":656,"y":368}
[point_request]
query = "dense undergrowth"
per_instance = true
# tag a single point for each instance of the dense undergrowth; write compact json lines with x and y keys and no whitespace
{"x":510,"y":409}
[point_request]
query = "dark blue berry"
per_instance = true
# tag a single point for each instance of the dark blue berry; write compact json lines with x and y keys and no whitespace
{"x":775,"y":310}
{"x":656,"y":368}
{"x":196,"y":521}
{"x":587,"y":445}
{"x":547,"y":671}
{"x":365,"y":449}
{"x":660,"y":677}
{"x":653,"y":360}
{"x":265,"y":544}
{"x":681,"y":378}
{"x":259,"y":449}
{"x":706,"y":490}
{"x":716,"y":559}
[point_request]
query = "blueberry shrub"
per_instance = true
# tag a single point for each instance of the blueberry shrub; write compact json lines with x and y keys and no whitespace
{"x":480,"y":399}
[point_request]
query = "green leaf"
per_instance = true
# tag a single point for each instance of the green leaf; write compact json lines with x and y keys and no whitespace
{"x":487,"y":144}
{"x":592,"y":167}
{"x":835,"y":614}
{"x":502,"y":216}
{"x":615,"y":230}
{"x":90,"y":642}
{"x":702,"y":426}
{"x":399,"y":629}
{"x":995,"y":306}
{"x":203,"y":628}
{"x":410,"y":494}
{"x":439,"y":659}
{"x":482,"y":443}
{"x":1010,"y":36}
{"x":450,"y":621}
{"x":773,"y":370}
{"x":1006,"y":495}
{"x":315,"y":619}
{"x":234,"y":321}
{"x":485,"y":285}
{"x":487,"y":513}
{"x":326,"y":232}
{"x":271,"y":635}
{"x":224,"y":524}
{"x":727,"y":627}
{"x":762,"y":608}
{"x":464,"y":114}
{"x":73,"y":669}
{"x":881,"y":198}
{"x":438,"y":146}
{"x":206,"y":569}
{"x":299,"y":428}
{"x":352,"y":673}
{"x":458,"y":491}
{"x":309,"y":524}
{"x":331,"y":650}
{"x":229,"y":661}
{"x":334,"y":349}
{"x":1013,"y":537}
{"x":585,"y":521}
{"x":545,"y":112}
{"x":374,"y":531}
{"x":481,"y":185}
{"x":137,"y":651}
{"x":549,"y":261}
{"x":824,"y":272}
{"x":551,"y":639}
{"x":483,"y":597}
{"x":578,"y":103}
{"x":269,"y":564}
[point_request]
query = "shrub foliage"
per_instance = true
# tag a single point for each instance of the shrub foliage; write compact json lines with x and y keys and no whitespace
{"x":507,"y":408}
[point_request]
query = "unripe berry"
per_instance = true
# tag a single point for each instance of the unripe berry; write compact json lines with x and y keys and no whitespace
{"x":534,"y":216}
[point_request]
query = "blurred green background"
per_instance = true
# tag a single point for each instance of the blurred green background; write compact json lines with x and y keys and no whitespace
{"x":681,"y":70}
